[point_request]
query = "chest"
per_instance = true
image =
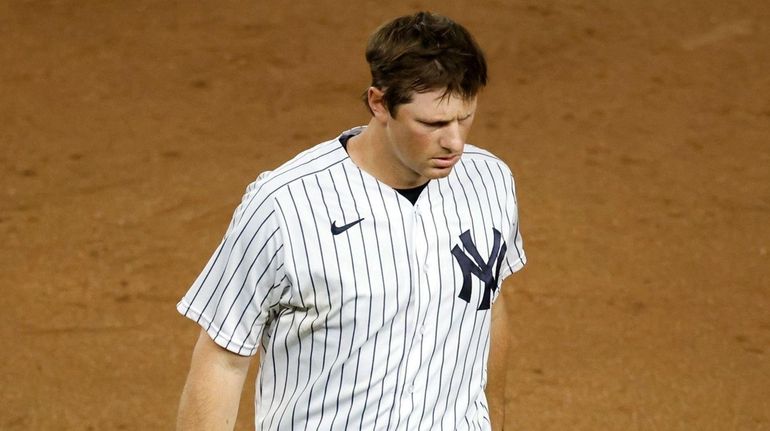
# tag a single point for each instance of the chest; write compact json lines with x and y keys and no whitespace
{"x":350,"y":243}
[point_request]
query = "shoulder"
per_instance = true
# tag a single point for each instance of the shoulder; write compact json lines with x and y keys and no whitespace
{"x":475,"y":157}
{"x":258,"y":202}
{"x":312,"y":161}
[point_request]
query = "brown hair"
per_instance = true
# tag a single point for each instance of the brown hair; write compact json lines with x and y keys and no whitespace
{"x":424,"y":52}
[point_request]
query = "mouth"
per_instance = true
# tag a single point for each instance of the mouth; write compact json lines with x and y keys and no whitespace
{"x":446,"y":162}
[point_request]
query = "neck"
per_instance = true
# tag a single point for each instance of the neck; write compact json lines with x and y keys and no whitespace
{"x":370,"y":151}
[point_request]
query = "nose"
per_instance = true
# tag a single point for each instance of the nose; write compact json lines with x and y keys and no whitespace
{"x":453,"y":140}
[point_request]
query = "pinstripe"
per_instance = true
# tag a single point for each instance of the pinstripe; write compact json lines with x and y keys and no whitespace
{"x":207,"y":270}
{"x":482,"y":154}
{"x":398,"y":302}
{"x":256,"y":210}
{"x":326,"y":318}
{"x":488,"y":205}
{"x":243,"y":285}
{"x":436,"y":224}
{"x":237,"y":266}
{"x":452,"y":309}
{"x":355,"y":306}
{"x":260,"y":384}
{"x":504,"y":208}
{"x":496,"y":194}
{"x":467,"y":201}
{"x":285,"y":344}
{"x":483,"y":353}
{"x":512,"y":195}
{"x":300,"y":164}
{"x":384,"y":299}
{"x":280,"y":187}
{"x":417,"y":324}
{"x":508,"y":192}
{"x":368,"y":320}
{"x":336,"y":319}
{"x":475,"y":315}
{"x":315,"y":295}
{"x":518,"y":251}
{"x":254,"y":322}
{"x":290,"y":167}
{"x":273,"y":347}
{"x":398,"y":395}
{"x":423,"y":282}
{"x":434,"y":300}
{"x":424,"y":319}
{"x":213,"y":262}
{"x":463,"y":312}
{"x":286,"y":362}
{"x":339,"y":274}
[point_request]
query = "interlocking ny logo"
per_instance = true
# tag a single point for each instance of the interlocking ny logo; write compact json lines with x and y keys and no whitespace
{"x":477,"y":266}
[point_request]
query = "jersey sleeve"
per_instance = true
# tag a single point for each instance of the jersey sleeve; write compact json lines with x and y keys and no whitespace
{"x":515,"y":259}
{"x":238,"y":290}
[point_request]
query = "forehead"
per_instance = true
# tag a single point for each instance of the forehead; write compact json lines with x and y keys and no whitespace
{"x":437,"y":104}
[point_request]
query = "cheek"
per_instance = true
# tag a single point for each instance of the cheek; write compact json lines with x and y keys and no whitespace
{"x":423,"y":138}
{"x":414,"y":142}
{"x":421,"y":146}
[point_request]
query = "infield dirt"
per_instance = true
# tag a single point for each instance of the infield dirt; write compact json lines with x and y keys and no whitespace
{"x":638,"y":131}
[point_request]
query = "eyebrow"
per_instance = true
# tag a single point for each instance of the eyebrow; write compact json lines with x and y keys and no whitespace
{"x":443,"y":121}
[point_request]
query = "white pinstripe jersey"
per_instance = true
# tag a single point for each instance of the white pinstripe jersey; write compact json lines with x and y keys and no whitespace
{"x":384,"y":325}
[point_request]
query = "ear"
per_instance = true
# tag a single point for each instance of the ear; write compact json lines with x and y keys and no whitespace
{"x":377,"y":104}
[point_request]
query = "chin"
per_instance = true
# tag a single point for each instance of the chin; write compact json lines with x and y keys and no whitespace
{"x":436,"y":173}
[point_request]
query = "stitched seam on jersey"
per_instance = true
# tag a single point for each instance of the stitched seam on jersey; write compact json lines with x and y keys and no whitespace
{"x":218,"y":283}
{"x":288,"y":168}
{"x":269,"y":308}
{"x":519,"y":251}
{"x":510,"y":269}
{"x":282,"y":228}
{"x":277,"y":189}
{"x":194,"y":314}
{"x":306,"y":157}
{"x":476,"y":153}
{"x":235,"y":271}
{"x":253,"y":295}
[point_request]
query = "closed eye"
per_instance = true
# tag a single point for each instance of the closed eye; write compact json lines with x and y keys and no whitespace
{"x":443,"y":123}
{"x":436,"y":124}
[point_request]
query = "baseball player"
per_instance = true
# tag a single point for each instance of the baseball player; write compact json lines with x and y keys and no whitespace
{"x":364,"y":270}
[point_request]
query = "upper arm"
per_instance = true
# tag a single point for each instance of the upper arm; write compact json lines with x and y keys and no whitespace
{"x":211,"y":395}
{"x":237,"y":292}
{"x":209,"y":353}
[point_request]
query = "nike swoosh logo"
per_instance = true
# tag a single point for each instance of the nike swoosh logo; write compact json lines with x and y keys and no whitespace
{"x":336,"y":230}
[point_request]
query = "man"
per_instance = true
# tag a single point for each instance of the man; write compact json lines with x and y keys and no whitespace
{"x":364,"y":270}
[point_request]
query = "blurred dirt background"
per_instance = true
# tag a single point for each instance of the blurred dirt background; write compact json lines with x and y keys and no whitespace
{"x":639,"y":133}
